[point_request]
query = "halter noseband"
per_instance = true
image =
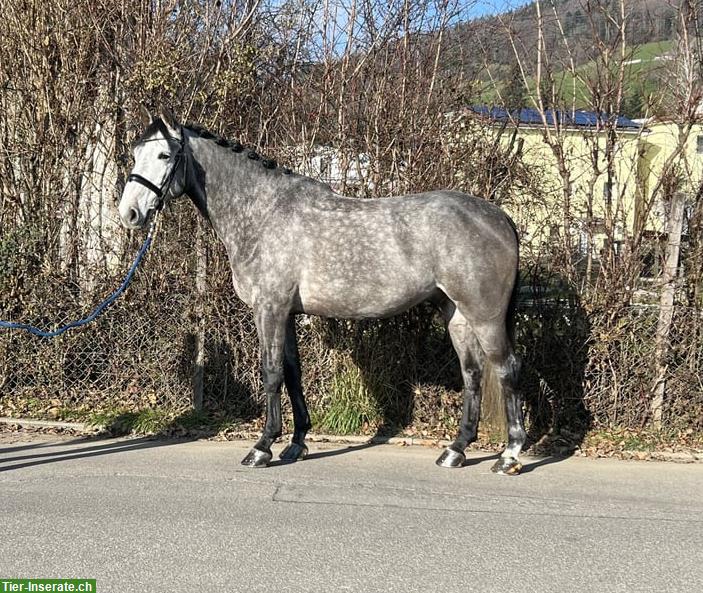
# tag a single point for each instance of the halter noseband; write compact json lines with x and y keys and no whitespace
{"x":166,"y":185}
{"x":146,"y":183}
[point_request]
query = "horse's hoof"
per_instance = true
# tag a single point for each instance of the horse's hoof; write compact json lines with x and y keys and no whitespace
{"x":451,"y":458}
{"x":257,"y":458}
{"x":294,"y":452}
{"x":507,"y":466}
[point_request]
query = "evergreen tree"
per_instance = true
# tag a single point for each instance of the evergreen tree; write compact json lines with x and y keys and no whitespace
{"x":633,"y":104}
{"x":514,"y":91}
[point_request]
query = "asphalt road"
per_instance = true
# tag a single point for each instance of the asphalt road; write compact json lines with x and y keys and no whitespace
{"x":159,"y":516}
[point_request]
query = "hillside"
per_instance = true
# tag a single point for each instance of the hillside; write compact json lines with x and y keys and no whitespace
{"x":647,"y":21}
{"x":488,"y":57}
{"x":645,"y":69}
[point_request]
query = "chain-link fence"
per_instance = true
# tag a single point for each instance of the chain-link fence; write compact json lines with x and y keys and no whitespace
{"x":580,"y":370}
{"x":599,"y":370}
{"x":377,"y":119}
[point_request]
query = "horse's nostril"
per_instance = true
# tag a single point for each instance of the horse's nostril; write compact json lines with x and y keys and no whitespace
{"x":133,"y":217}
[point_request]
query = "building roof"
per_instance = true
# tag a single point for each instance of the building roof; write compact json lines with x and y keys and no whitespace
{"x":531,"y":117}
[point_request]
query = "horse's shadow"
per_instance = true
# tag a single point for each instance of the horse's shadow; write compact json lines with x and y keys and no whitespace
{"x":400,"y":360}
{"x":78,"y":448}
{"x":553,"y":340}
{"x":225,"y":393}
{"x":407,"y":364}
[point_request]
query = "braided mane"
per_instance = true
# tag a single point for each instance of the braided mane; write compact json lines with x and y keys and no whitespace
{"x":235,"y":146}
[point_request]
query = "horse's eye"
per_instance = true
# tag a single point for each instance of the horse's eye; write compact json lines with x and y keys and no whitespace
{"x":164,"y":156}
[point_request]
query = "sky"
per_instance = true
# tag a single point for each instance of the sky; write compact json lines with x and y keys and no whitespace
{"x":335,"y":28}
{"x":470,"y":8}
{"x":488,"y":7}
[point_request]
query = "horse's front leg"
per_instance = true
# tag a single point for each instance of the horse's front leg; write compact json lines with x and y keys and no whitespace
{"x":271,"y":328}
{"x":292,"y":376}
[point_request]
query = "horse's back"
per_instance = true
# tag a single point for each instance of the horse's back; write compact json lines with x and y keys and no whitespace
{"x":439,"y":223}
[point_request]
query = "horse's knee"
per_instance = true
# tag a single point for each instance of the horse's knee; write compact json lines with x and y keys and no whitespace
{"x":272,"y":377}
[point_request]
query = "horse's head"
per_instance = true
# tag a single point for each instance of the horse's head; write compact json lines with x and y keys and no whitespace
{"x":159,"y":169}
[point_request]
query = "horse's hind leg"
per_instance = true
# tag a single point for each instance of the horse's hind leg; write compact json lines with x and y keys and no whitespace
{"x":495,"y":342}
{"x":292,"y":377}
{"x":471,"y":360}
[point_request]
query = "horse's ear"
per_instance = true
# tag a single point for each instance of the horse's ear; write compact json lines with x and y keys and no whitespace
{"x":170,"y":121}
{"x":145,"y":116}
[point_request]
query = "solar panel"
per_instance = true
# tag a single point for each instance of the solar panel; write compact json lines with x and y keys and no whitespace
{"x":531,"y":116}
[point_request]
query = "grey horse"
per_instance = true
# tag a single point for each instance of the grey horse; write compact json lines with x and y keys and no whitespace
{"x":297,"y":247}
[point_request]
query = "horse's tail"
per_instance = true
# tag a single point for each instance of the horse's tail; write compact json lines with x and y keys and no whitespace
{"x":510,"y":319}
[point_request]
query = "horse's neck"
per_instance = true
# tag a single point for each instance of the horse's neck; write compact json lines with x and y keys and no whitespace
{"x":228,"y":192}
{"x":238,"y":195}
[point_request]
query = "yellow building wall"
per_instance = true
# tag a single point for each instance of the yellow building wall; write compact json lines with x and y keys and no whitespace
{"x":640,"y":157}
{"x":537,"y":221}
{"x":656,"y":148}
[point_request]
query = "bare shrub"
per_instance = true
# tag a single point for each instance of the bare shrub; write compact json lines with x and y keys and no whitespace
{"x":383,"y":89}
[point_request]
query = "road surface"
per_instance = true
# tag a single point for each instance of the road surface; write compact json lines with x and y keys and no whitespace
{"x":175,"y":516}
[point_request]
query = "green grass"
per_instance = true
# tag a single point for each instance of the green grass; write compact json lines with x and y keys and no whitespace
{"x":146,"y":421}
{"x":352,"y":405}
{"x":649,"y":51}
{"x":155,"y":421}
{"x":637,"y":443}
{"x":122,"y":420}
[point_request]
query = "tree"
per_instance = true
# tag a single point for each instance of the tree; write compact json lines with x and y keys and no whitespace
{"x":514,"y":93}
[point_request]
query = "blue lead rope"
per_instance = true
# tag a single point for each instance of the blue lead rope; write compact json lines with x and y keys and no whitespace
{"x":101,"y":307}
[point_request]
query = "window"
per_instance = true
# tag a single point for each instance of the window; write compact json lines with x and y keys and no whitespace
{"x":699,"y":144}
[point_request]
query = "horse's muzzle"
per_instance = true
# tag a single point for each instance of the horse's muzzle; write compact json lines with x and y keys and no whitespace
{"x":134,"y":219}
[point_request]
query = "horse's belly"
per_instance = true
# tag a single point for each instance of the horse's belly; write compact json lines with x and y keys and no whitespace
{"x":360,"y":298}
